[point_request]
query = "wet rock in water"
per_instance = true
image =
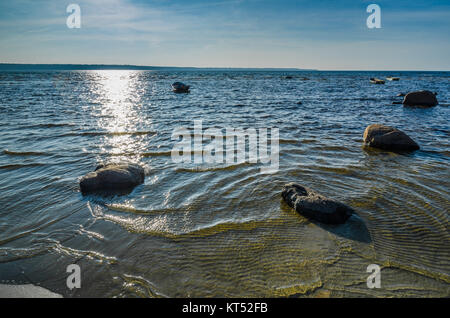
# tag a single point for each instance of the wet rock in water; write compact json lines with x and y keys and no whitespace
{"x":288,"y":77}
{"x":396,"y":103}
{"x":388,"y":138}
{"x":315,"y":206}
{"x":179,"y":87}
{"x":420,"y":98}
{"x":112,"y":177}
{"x":401,"y":95}
{"x":26,"y":291}
{"x":299,"y":103}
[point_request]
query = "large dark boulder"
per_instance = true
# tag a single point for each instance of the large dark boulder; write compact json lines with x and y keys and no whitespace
{"x":113,"y":177}
{"x":388,"y":138}
{"x":420,"y":98}
{"x":315,"y":206}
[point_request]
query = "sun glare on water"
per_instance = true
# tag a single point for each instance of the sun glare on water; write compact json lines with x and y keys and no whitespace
{"x":119,"y":95}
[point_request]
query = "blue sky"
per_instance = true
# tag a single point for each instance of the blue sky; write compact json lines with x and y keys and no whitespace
{"x":229,"y":33}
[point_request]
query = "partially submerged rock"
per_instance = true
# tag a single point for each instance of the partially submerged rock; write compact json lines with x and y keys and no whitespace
{"x":420,"y":98}
{"x":315,"y":206}
{"x":112,"y":177}
{"x":388,"y":138}
{"x":179,"y":87}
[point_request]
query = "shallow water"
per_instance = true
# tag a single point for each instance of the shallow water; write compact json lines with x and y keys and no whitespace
{"x":194,"y":230}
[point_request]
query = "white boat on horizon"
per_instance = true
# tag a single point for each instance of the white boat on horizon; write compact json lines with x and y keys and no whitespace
{"x":374,"y":80}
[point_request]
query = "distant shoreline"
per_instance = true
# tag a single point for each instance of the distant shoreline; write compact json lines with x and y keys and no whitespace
{"x":19,"y":66}
{"x":127,"y":67}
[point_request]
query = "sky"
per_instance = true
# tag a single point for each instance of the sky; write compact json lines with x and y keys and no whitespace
{"x":325,"y":35}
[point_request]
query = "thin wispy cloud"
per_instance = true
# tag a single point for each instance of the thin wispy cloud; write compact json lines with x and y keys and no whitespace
{"x":235,"y":33}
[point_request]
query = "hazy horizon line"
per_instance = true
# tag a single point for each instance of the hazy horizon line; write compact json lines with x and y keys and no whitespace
{"x":95,"y":66}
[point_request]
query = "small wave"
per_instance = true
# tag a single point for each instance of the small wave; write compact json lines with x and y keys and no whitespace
{"x":338,"y":170}
{"x":50,"y":125}
{"x":207,"y":169}
{"x":18,"y":166}
{"x":362,"y":99}
{"x":330,"y":148}
{"x":110,"y":133}
{"x":159,"y":226}
{"x":91,"y":234}
{"x":23,"y":153}
{"x":298,"y":289}
{"x":156,"y":153}
{"x":129,"y":209}
{"x":444,"y":154}
{"x":142,"y":154}
{"x":141,"y":286}
{"x":308,"y":141}
{"x":59,"y":248}
{"x":288,"y":141}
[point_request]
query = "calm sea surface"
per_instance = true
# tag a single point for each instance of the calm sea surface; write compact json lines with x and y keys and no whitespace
{"x":222,"y":230}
